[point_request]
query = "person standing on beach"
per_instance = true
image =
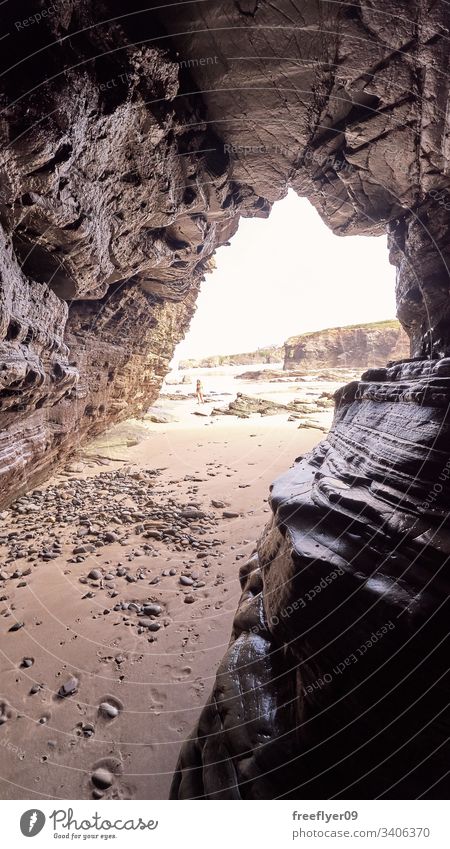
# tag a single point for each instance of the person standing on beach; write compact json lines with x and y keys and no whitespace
{"x":199,"y":392}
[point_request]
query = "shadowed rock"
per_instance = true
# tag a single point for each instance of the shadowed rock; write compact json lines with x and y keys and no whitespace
{"x":335,"y":680}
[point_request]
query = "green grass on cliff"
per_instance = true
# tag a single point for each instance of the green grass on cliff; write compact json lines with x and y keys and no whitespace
{"x":371,"y":325}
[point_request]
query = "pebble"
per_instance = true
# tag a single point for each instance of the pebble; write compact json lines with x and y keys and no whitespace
{"x":189,"y":599}
{"x":27,"y":662}
{"x":102,"y":778}
{"x":109,"y":710}
{"x":152,"y":609}
{"x":230,"y":514}
{"x":110,"y":536}
{"x":17,"y":626}
{"x":69,"y":688}
{"x":95,"y":574}
{"x":150,"y":624}
{"x":186,"y":581}
{"x":192,"y":513}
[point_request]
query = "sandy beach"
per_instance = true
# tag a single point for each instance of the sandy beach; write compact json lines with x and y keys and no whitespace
{"x":118,"y":584}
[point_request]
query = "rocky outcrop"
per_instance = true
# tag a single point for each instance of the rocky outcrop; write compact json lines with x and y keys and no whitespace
{"x":333,"y":685}
{"x":271,"y":354}
{"x":108,"y":216}
{"x":355,"y":346}
{"x":132,"y":141}
{"x":244,"y":406}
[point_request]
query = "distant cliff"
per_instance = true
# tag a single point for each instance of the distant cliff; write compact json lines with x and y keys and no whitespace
{"x":355,"y":346}
{"x":271,"y":354}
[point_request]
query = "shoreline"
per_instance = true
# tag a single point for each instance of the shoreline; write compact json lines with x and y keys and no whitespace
{"x":149,"y":534}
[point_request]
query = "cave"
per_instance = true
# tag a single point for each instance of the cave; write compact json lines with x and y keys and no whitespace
{"x":132,"y":141}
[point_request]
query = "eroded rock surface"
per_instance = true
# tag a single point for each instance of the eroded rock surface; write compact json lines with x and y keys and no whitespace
{"x":334,"y":684}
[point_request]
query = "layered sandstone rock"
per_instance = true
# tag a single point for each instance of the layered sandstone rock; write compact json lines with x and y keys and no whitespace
{"x":355,"y":346}
{"x":109,"y":212}
{"x":334,"y":684}
{"x":132,"y":141}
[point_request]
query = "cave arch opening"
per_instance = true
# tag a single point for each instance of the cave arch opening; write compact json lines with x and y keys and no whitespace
{"x":285,"y":276}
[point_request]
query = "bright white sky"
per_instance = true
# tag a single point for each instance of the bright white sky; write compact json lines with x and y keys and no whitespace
{"x":286,"y":275}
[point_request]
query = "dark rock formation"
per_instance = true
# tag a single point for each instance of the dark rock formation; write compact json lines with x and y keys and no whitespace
{"x":355,"y":346}
{"x":109,"y":212}
{"x":334,"y":683}
{"x":270,"y":354}
{"x":132,"y":141}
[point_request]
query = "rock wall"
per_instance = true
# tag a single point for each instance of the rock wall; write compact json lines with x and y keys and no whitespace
{"x":335,"y":681}
{"x":355,"y":346}
{"x":132,"y":141}
{"x":109,"y":213}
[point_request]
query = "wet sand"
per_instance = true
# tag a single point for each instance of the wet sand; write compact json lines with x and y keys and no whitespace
{"x":149,"y":526}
